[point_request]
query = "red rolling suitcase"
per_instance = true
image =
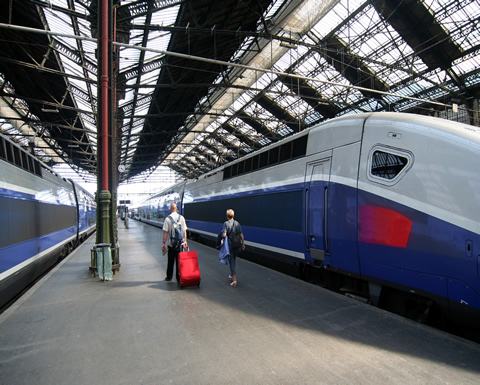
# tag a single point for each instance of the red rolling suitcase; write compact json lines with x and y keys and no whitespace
{"x":188,"y":268}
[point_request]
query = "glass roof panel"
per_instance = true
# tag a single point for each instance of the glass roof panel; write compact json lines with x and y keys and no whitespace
{"x":165,"y":16}
{"x":57,"y":21}
{"x":158,"y":41}
{"x":262,"y":116}
{"x":283,"y":96}
{"x":368,"y":38}
{"x":467,"y":66}
{"x":336,"y":16}
{"x":243,"y":127}
{"x":128,"y":57}
{"x":149,"y":78}
{"x":241,"y":101}
{"x":458,"y":21}
{"x":265,"y":81}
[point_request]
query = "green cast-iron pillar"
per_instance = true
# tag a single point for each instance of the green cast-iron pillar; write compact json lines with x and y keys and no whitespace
{"x":106,"y":242}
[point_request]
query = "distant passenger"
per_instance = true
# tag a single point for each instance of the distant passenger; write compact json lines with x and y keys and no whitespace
{"x":233,"y":230}
{"x":167,"y":241}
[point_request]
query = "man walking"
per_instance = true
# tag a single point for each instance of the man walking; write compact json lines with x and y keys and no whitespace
{"x":168,"y":227}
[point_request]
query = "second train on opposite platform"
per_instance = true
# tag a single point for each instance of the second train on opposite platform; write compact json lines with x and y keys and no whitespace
{"x":381,"y":205}
{"x":43,"y":218}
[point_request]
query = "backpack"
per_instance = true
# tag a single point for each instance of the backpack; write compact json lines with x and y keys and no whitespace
{"x":176,"y":233}
{"x":235,"y":237}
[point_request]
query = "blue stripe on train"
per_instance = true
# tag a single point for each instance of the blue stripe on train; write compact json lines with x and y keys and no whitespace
{"x":7,"y":193}
{"x":15,"y":254}
{"x":434,"y":252}
{"x":418,"y":251}
{"x":287,"y":240}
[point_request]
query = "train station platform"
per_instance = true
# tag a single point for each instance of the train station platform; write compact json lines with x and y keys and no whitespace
{"x":71,"y":328}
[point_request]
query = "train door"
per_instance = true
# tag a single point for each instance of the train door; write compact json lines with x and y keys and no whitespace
{"x":317,"y":178}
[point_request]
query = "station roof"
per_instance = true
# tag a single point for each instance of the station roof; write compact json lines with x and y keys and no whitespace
{"x":203,"y":82}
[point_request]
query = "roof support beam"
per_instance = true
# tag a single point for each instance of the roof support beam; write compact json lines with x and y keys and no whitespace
{"x":301,"y":88}
{"x":351,"y":67}
{"x":240,"y":136}
{"x":260,"y":128}
{"x":415,"y":23}
{"x":280,"y":113}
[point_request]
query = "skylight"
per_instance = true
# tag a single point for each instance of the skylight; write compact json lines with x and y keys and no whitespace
{"x":301,"y":66}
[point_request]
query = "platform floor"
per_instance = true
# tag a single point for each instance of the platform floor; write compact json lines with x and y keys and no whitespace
{"x":272,"y":329}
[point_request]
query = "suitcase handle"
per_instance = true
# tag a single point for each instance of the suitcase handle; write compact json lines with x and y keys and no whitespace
{"x":184,"y":249}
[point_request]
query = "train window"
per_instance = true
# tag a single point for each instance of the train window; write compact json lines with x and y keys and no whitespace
{"x":273,"y":156}
{"x":18,"y":157}
{"x":299,"y":147}
{"x":38,"y":169}
{"x":286,"y":152}
{"x":387,"y":165}
{"x":255,"y":161}
{"x":31,"y":164}
{"x":9,"y":148}
{"x":241,"y":168}
{"x":234,"y":168}
{"x":263,"y":160}
{"x":248,"y":165}
{"x":18,"y":160}
{"x":227,"y":173}
{"x":25,"y":161}
{"x":3,"y":154}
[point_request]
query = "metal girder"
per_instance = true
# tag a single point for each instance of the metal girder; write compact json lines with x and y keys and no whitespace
{"x":240,"y":136}
{"x":337,"y":53}
{"x":301,"y":88}
{"x":170,"y":101}
{"x":280,"y":113}
{"x":260,"y":128}
{"x":413,"y":21}
{"x":433,"y":42}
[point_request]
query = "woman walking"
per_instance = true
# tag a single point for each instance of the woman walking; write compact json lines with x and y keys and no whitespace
{"x":233,"y":230}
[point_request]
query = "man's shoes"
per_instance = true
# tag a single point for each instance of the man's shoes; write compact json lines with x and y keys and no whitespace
{"x":168,"y":278}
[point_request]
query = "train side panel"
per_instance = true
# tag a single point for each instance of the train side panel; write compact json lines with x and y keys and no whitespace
{"x":268,"y":203}
{"x":86,"y":212}
{"x":387,"y":200}
{"x":39,"y":219}
{"x":38,"y":213}
{"x":334,"y":194}
{"x":418,"y":208}
{"x":155,"y":209}
{"x":343,"y":209}
{"x":273,"y":203}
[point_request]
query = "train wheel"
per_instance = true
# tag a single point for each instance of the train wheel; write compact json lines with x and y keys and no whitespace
{"x":413,"y":306}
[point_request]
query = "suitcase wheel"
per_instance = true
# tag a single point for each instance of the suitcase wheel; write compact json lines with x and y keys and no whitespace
{"x":181,"y":284}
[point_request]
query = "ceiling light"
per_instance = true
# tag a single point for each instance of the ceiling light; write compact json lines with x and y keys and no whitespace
{"x":49,"y":110}
{"x":288,"y":45}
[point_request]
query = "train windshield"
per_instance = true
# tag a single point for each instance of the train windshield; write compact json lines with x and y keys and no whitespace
{"x":388,"y":165}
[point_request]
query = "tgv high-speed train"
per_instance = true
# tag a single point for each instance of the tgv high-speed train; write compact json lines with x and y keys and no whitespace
{"x":388,"y":204}
{"x":43,"y":217}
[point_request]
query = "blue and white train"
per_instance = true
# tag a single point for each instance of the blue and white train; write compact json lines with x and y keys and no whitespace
{"x":43,"y":217}
{"x":381,"y":205}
